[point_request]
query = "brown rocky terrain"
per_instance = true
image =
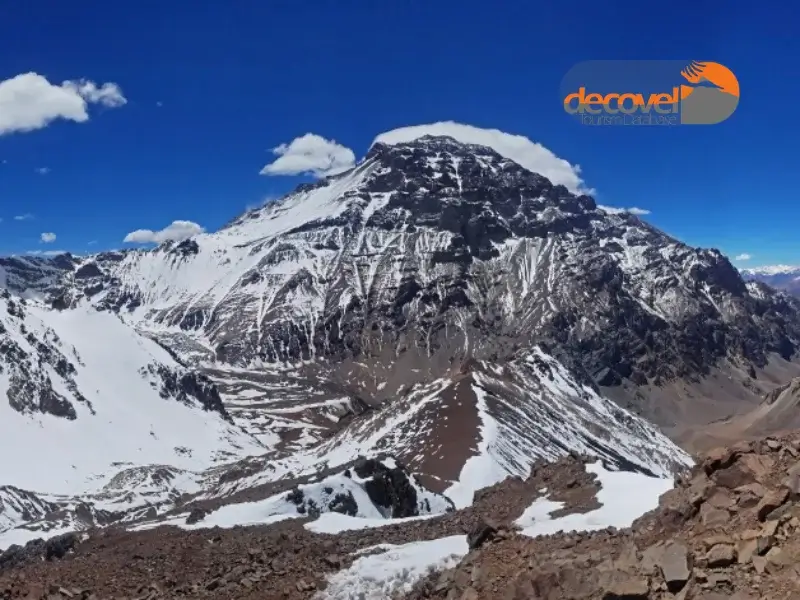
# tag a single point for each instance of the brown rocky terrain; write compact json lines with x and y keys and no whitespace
{"x":729,"y":529}
{"x":280,"y":561}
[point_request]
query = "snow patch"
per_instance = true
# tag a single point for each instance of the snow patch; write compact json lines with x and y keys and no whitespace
{"x":624,"y":497}
{"x":483,"y":469}
{"x":394,"y":571}
{"x":331,"y":522}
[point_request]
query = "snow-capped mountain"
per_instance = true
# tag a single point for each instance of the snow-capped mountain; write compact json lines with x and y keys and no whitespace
{"x":781,"y":277}
{"x":439,"y":302}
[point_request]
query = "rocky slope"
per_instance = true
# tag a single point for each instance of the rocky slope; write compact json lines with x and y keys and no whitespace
{"x":727,"y":530}
{"x":292,"y":559}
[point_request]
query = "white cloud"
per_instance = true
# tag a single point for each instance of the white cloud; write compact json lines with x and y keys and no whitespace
{"x":525,"y":152}
{"x":25,"y":217}
{"x":92,"y":242}
{"x":43,"y":170}
{"x":634,"y":210}
{"x":744,"y":256}
{"x":29,"y":101}
{"x":108,"y":94}
{"x":48,"y":238}
{"x":176,"y":231}
{"x":311,"y":154}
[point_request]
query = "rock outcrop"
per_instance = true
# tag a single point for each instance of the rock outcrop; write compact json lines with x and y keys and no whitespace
{"x":729,"y":529}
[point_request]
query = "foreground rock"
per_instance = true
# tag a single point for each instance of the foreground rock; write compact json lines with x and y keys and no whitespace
{"x":729,"y":530}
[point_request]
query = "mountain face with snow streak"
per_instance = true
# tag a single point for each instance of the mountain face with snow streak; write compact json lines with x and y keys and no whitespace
{"x":432,"y":252}
{"x":438,"y":302}
{"x":780,"y":277}
{"x":433,"y":249}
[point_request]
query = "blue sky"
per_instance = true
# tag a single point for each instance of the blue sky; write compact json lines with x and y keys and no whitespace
{"x":211,"y":88}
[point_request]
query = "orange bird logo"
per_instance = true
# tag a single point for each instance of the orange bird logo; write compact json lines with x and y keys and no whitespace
{"x":710,"y":95}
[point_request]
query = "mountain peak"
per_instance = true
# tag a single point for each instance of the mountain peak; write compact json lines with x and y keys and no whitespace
{"x":530,"y":155}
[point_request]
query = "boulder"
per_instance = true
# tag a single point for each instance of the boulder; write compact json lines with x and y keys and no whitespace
{"x":734,"y":476}
{"x":764,"y":544}
{"x":721,"y":555}
{"x":674,"y":561}
{"x":632,"y":588}
{"x":714,"y":517}
{"x":196,"y":515}
{"x":777,"y":557}
{"x":480,"y":534}
{"x":745,"y":550}
{"x":773,"y":500}
{"x":718,"y":458}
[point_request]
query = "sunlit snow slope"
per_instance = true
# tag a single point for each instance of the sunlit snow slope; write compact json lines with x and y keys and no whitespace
{"x":87,"y":396}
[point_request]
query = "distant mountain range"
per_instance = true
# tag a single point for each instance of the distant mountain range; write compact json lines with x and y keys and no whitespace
{"x":781,"y":277}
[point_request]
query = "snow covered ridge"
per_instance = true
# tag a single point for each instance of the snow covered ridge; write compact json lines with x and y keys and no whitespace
{"x":130,"y":495}
{"x":471,"y":431}
{"x":773,"y":270}
{"x":780,"y":277}
{"x":370,"y":494}
{"x":89,"y":397}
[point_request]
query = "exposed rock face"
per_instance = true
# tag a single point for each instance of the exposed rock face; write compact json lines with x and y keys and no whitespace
{"x":53,"y":549}
{"x":188,"y":387}
{"x":430,"y":254}
{"x":389,"y":488}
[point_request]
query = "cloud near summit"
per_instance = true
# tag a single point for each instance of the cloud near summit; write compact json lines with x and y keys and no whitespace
{"x":175,"y":231}
{"x":310,"y":154}
{"x":315,"y":155}
{"x":633,"y":210}
{"x":523,"y":151}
